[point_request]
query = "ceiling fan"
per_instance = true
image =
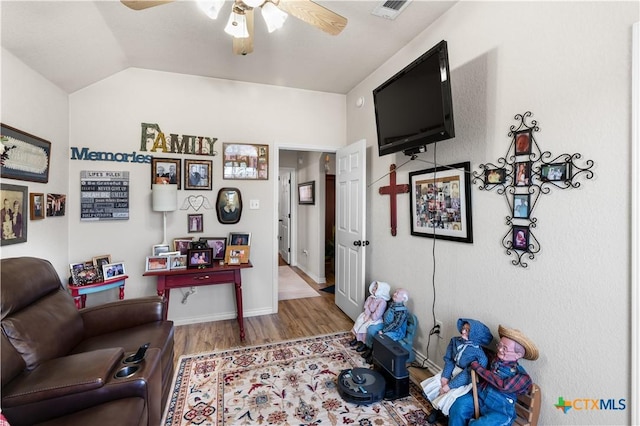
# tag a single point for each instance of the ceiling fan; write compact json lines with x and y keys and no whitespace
{"x":274,"y":12}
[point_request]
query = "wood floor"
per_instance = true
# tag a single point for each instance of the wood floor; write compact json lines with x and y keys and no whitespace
{"x":296,"y":318}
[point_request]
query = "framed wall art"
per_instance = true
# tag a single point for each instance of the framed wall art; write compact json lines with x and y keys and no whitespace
{"x":197,"y":174}
{"x":521,"y":238}
{"x":36,"y":206}
{"x":307,"y":193}
{"x":229,"y":205}
{"x":245,"y":161}
{"x":165,"y":170}
{"x":441,"y":203}
{"x":521,"y":204}
{"x":194,"y":222}
{"x":523,"y":142}
{"x":555,"y":172}
{"x":13,"y":214}
{"x":25,"y":156}
{"x":56,"y":204}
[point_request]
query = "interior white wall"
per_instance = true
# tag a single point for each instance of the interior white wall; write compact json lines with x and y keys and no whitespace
{"x":570,"y":64}
{"x":34,"y":105}
{"x":107,"y":115}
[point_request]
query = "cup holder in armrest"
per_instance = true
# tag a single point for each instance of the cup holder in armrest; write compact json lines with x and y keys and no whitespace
{"x":131,"y":359}
{"x":127,"y":371}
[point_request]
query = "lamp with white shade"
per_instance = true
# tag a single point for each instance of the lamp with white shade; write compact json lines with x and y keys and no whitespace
{"x":164,"y":198}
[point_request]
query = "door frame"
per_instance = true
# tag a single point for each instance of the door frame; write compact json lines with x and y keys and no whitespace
{"x":294,"y":235}
{"x":292,"y":217}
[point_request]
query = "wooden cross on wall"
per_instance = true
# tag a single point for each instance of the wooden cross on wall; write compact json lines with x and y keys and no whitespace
{"x":392,"y":190}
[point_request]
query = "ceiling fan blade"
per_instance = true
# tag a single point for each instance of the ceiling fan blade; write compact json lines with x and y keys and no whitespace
{"x":314,"y":14}
{"x":143,"y":4}
{"x":244,"y":46}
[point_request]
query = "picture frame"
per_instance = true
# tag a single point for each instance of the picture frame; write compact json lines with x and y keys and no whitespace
{"x":100,"y":261}
{"x":237,"y":254}
{"x":440,"y":203}
{"x":36,"y":206}
{"x":520,"y":238}
{"x":14,"y":199}
{"x":194,"y":222}
{"x":181,"y":245}
{"x":178,"y":262}
{"x":158,"y":249}
{"x":32,"y":154}
{"x":229,"y":205}
{"x":307,"y":192}
{"x":245,"y":161}
{"x":166,"y":170}
{"x":495,"y":176}
{"x":239,"y":238}
{"x":523,"y":173}
{"x":170,"y":253}
{"x":56,"y":205}
{"x":200,"y":258}
{"x":555,"y":172}
{"x":157,"y":263}
{"x":522,"y":141}
{"x":197,"y":174}
{"x":521,"y":203}
{"x":86,"y":273}
{"x":218,"y":245}
{"x":113,"y":271}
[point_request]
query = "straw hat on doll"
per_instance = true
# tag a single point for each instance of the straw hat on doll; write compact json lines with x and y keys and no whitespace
{"x":530,"y":349}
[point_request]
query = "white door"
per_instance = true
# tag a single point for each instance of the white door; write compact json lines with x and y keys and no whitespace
{"x":284,"y":215}
{"x":350,"y":246}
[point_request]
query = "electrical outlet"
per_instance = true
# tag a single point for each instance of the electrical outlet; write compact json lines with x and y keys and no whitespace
{"x":439,"y":326}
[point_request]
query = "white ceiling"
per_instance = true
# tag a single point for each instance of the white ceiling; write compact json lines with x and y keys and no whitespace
{"x":76,"y":43}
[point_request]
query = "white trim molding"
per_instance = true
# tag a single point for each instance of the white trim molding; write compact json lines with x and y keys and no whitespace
{"x":635,"y":225}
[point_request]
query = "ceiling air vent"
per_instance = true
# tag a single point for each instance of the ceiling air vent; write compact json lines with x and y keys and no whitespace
{"x":390,"y":9}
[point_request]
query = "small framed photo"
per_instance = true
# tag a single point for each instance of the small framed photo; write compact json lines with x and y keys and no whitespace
{"x":495,"y":176}
{"x":521,"y":238}
{"x":85,"y":273}
{"x":165,"y":170}
{"x":194,"y":222}
{"x":113,"y":270}
{"x":75,"y":269}
{"x":229,"y":205}
{"x":218,"y":245}
{"x":521,"y":206}
{"x":237,"y":254}
{"x":240,"y":238}
{"x":178,"y":262}
{"x":56,"y":204}
{"x":197,"y":174}
{"x":555,"y":172}
{"x":13,"y":215}
{"x":200,"y":258}
{"x":36,"y":206}
{"x":523,"y":142}
{"x":181,"y":245}
{"x":158,"y":249}
{"x":523,"y":173}
{"x":170,"y":253}
{"x":100,"y":261}
{"x":157,"y":263}
{"x":307,"y":193}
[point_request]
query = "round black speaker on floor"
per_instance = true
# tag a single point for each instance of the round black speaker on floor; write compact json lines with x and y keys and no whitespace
{"x":361,"y":386}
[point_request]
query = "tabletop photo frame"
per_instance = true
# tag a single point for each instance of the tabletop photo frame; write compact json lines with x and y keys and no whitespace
{"x":441,"y":203}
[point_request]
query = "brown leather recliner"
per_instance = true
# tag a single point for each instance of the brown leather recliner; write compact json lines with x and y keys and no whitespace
{"x":59,"y":364}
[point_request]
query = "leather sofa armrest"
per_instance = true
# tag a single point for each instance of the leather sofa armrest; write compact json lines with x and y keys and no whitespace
{"x":61,"y":377}
{"x":121,"y":314}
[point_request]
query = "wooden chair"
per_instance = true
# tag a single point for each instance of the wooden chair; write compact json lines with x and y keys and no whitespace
{"x":527,"y":406}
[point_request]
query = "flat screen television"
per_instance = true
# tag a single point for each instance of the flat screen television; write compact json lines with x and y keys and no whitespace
{"x":413,"y":108}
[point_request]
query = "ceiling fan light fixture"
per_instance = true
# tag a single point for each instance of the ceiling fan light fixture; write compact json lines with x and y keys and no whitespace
{"x":211,"y":8}
{"x":253,"y":3}
{"x":237,"y":25}
{"x":273,"y":16}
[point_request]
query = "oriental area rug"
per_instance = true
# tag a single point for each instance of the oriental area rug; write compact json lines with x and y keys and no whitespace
{"x":285,"y":383}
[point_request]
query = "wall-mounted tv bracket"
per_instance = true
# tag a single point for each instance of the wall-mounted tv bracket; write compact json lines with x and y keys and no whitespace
{"x":522,"y":176}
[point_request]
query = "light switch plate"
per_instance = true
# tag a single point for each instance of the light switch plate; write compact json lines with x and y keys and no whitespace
{"x":254,"y":204}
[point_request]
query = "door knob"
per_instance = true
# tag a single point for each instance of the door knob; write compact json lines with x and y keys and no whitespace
{"x":357,"y":243}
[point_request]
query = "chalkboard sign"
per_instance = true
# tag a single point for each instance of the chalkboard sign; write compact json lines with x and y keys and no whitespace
{"x":104,"y":196}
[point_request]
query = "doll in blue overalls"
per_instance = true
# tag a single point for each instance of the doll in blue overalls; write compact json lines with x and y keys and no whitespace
{"x":394,"y":322}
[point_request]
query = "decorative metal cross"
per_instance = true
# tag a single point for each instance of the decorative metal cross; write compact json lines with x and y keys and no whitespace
{"x":392,"y":190}
{"x":522,"y":176}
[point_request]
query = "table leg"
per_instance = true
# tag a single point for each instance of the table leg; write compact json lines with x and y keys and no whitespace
{"x":76,"y":299}
{"x":83,"y":300}
{"x":121,"y":292}
{"x":238,"y":285}
{"x":164,"y":292}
